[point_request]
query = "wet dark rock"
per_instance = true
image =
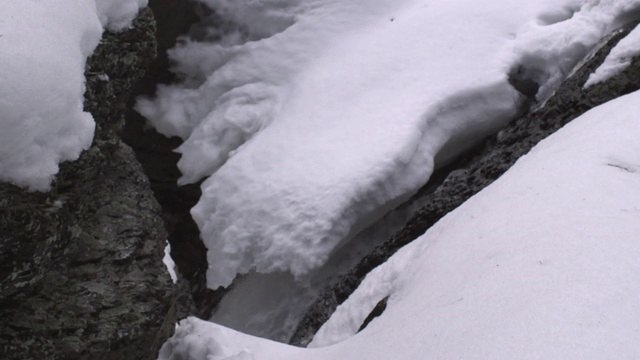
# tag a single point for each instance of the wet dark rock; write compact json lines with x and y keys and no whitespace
{"x":479,"y":168}
{"x":81,"y":272}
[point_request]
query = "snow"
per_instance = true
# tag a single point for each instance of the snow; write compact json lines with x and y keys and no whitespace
{"x":43,"y":48}
{"x":618,"y":60}
{"x":541,"y":264}
{"x":311,"y":119}
{"x":169,"y":263}
{"x":117,"y":15}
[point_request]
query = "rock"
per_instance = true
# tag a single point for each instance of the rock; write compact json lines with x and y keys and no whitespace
{"x":479,"y":168}
{"x":81,"y":272}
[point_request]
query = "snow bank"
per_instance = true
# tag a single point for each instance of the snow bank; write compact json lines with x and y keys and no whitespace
{"x":542,"y":264}
{"x":618,"y":60}
{"x":169,"y":263}
{"x":43,"y":48}
{"x":316,"y":119}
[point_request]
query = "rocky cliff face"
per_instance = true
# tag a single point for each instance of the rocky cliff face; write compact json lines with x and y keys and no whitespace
{"x":450,"y":187}
{"x":81,"y":272}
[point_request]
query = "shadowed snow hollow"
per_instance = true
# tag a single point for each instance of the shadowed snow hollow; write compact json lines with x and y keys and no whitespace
{"x":314,"y":122}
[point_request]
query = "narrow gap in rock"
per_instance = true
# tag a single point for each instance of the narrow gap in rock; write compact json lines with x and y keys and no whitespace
{"x":155,"y":152}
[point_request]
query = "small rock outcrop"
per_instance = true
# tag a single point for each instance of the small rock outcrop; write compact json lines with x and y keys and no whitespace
{"x":479,"y":168}
{"x":81,"y":271}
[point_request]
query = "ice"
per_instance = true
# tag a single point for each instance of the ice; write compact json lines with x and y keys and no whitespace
{"x":539,"y":265}
{"x":315,"y":120}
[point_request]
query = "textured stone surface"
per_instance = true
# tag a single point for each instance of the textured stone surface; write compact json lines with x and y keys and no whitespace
{"x":480,"y":168}
{"x":81,"y":272}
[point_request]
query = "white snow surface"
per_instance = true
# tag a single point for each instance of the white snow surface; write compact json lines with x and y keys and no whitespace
{"x":618,"y":60}
{"x":542,"y":264}
{"x":43,"y":48}
{"x":316,"y":117}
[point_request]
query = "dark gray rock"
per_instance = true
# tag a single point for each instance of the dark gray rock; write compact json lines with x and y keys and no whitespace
{"x":479,"y":168}
{"x":81,"y":272}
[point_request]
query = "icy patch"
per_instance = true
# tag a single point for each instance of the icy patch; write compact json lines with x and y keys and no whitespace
{"x":547,"y":254}
{"x":618,"y":59}
{"x":43,"y":48}
{"x":313,"y":123}
{"x":168,"y":262}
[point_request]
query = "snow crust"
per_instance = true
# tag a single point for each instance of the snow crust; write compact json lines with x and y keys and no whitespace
{"x":540,"y":264}
{"x":43,"y":48}
{"x":312,"y":118}
{"x":618,"y":60}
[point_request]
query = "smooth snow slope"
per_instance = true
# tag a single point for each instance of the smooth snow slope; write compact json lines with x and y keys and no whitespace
{"x":43,"y":48}
{"x":542,"y":264}
{"x":317,"y":116}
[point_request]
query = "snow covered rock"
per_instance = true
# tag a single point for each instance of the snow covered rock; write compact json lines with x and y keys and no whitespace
{"x":81,"y":272}
{"x":44,"y":47}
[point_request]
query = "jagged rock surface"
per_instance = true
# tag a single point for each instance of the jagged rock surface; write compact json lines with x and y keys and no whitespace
{"x":81,"y":272}
{"x":480,"y":168}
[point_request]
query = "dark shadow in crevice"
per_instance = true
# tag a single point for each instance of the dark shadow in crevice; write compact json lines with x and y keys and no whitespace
{"x":155,"y":152}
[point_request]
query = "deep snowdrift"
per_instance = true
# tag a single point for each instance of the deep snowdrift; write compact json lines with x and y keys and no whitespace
{"x":313,"y":118}
{"x":541,"y":264}
{"x":43,"y":48}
